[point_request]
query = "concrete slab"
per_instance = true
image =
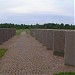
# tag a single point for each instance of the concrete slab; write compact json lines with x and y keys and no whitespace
{"x":58,"y":42}
{"x":39,"y":35}
{"x":69,"y":56}
{"x":6,"y":33}
{"x":49,"y":39}
{"x":32,"y":32}
{"x":44,"y":37}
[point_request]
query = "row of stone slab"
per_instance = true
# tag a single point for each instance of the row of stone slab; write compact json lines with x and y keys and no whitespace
{"x":6,"y":33}
{"x":62,"y":42}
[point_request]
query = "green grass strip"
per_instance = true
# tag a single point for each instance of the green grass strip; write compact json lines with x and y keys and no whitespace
{"x":28,"y":31}
{"x":65,"y":73}
{"x":19,"y":31}
{"x":2,"y":51}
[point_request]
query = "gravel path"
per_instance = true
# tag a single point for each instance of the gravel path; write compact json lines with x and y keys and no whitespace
{"x":26,"y":56}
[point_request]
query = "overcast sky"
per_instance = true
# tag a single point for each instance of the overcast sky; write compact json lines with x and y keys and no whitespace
{"x":37,"y":11}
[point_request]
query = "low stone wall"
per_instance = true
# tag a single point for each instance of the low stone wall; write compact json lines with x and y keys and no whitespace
{"x":6,"y":33}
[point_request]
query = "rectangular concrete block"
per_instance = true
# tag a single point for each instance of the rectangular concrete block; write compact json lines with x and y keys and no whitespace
{"x":41,"y":35}
{"x":6,"y":33}
{"x":38,"y":35}
{"x":35,"y":33}
{"x":69,"y":56}
{"x":32,"y":32}
{"x":44,"y":37}
{"x":49,"y":39}
{"x":59,"y":42}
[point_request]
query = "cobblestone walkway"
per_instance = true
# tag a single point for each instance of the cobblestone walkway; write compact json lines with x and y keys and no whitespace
{"x":26,"y":56}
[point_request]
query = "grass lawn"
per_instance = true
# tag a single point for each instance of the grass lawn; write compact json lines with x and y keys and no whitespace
{"x":27,"y":31}
{"x":18,"y":31}
{"x":65,"y":73}
{"x":2,"y":51}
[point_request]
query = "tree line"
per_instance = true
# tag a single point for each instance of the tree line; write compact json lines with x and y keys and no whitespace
{"x":38,"y":26}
